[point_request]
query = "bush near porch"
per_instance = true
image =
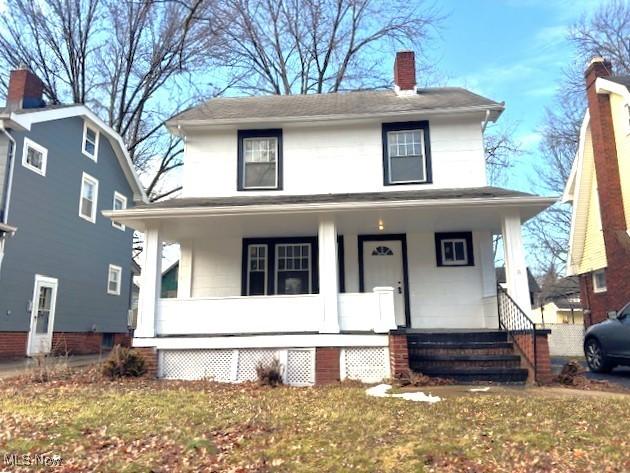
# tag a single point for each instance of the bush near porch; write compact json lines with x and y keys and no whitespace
{"x":139,"y":425}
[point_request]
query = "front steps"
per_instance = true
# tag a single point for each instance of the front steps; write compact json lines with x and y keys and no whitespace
{"x":465,"y":356}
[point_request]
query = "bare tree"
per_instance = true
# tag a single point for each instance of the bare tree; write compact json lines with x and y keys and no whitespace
{"x":132,"y":61}
{"x":605,"y":33}
{"x":316,"y":46}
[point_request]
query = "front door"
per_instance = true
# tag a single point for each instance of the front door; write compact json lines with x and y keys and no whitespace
{"x":42,"y":315}
{"x":383,"y":267}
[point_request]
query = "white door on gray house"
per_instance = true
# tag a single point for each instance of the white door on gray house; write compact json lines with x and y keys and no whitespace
{"x":383,"y":267}
{"x":42,"y":315}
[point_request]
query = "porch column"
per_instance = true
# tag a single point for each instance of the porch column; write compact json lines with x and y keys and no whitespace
{"x":515,"y":266}
{"x":151,"y":282}
{"x":328,"y":271}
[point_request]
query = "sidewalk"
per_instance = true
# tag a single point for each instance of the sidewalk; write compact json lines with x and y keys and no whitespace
{"x":10,"y":368}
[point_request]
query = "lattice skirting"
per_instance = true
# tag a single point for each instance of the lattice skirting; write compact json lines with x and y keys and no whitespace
{"x":367,"y":364}
{"x":233,"y":366}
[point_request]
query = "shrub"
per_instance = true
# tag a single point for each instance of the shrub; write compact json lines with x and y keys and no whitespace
{"x":124,"y":362}
{"x":269,"y":374}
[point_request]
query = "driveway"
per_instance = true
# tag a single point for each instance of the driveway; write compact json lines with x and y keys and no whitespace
{"x":10,"y":368}
{"x":620,"y":375}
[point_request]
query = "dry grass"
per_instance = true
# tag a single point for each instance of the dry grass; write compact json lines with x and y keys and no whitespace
{"x":143,"y":425}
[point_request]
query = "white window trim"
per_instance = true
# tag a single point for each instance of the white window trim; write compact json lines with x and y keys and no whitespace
{"x":28,"y":143}
{"x":422,"y":156}
{"x":455,"y":262}
{"x":627,"y":110}
{"x":117,"y":269}
{"x":308,"y":270}
{"x":93,"y":157}
{"x":244,"y":163}
{"x":249,"y":265}
{"x":119,"y":196}
{"x":596,"y":288}
{"x":87,"y":177}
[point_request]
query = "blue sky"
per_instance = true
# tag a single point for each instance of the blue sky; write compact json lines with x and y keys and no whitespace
{"x":512,"y":51}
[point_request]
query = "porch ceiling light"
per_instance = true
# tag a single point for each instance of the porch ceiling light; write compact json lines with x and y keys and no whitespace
{"x":381,"y":226}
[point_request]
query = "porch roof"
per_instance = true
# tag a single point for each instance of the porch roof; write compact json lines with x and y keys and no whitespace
{"x":480,"y":208}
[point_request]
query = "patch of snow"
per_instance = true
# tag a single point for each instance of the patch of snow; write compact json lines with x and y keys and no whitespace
{"x":382,"y":391}
{"x":479,"y":390}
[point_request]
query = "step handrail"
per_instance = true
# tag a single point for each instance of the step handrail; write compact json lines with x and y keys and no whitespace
{"x":520,"y":328}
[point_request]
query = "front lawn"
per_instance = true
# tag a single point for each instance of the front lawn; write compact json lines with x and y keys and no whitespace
{"x":135,"y":426}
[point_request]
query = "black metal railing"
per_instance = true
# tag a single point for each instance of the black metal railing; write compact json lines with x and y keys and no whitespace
{"x":520,"y":328}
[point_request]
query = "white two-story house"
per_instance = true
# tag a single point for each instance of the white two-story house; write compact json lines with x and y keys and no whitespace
{"x":312,"y":226}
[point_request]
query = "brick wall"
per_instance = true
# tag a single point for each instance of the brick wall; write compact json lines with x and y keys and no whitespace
{"x":23,"y":84}
{"x":405,"y":70}
{"x":525,"y":347}
{"x":616,"y":240}
{"x":13,"y":344}
{"x":83,"y":343}
{"x":398,"y":355}
{"x":150,"y":356}
{"x":327,"y":369}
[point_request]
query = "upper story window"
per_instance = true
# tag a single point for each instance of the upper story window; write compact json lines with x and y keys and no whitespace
{"x":259,"y":159}
{"x":599,"y":280}
{"x":89,"y":197}
{"x":90,"y":141}
{"x":120,"y":203}
{"x":454,"y":249}
{"x":406,"y":156}
{"x":34,"y":157}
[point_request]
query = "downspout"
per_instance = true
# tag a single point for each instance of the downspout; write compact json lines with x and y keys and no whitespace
{"x":7,"y":191}
{"x":484,"y":124}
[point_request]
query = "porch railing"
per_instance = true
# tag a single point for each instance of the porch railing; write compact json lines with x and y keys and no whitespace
{"x":520,"y":328}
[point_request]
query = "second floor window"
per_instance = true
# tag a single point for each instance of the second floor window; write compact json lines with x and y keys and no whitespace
{"x":120,"y":203}
{"x":90,"y":141}
{"x":259,"y":159}
{"x":405,"y":153}
{"x":89,"y":196}
{"x":34,"y":157}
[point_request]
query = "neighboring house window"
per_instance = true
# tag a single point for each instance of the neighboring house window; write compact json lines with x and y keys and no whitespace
{"x":89,"y":198}
{"x":120,"y":203}
{"x":34,"y":157}
{"x":90,"y":141}
{"x":406,"y":155}
{"x":114,"y":280}
{"x":259,"y":159}
{"x":279,"y":266}
{"x":599,"y":280}
{"x":454,"y":249}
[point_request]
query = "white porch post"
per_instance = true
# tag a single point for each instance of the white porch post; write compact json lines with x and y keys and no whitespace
{"x":515,"y":266}
{"x":328,"y":275}
{"x":151,"y":282}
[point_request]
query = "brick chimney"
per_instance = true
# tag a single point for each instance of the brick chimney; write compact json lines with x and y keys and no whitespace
{"x":605,"y":157}
{"x":25,"y":90}
{"x":405,"y":72}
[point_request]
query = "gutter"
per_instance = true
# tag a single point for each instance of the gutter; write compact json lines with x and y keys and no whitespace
{"x":177,"y":212}
{"x":11,"y":163}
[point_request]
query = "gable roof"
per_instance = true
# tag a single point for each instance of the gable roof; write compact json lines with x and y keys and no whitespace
{"x":334,"y":105}
{"x":622,"y":80}
{"x":25,"y":118}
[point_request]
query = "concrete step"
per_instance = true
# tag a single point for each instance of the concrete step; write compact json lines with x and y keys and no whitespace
{"x":457,"y":337}
{"x":468,"y":375}
{"x":422,"y":362}
{"x":469,"y":348}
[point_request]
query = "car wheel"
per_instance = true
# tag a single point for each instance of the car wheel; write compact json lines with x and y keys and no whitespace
{"x":595,"y":357}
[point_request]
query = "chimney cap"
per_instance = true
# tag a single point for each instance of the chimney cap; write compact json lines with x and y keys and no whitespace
{"x":598,"y":66}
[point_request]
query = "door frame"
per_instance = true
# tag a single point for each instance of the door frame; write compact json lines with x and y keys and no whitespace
{"x":39,"y":278}
{"x":402,"y":237}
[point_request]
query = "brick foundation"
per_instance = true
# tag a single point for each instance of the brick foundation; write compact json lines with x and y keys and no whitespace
{"x":398,"y":355}
{"x":150,"y":356}
{"x":84,"y":343}
{"x":327,"y":368}
{"x":13,"y":344}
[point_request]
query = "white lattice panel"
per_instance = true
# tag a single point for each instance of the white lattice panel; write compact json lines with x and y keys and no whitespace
{"x":369,"y":365}
{"x":248,"y":359}
{"x":215,"y":365}
{"x":300,"y":367}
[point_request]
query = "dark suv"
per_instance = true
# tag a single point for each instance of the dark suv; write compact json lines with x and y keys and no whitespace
{"x":607,"y":344}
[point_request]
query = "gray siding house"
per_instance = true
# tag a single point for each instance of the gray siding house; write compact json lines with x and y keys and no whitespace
{"x":65,"y":270}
